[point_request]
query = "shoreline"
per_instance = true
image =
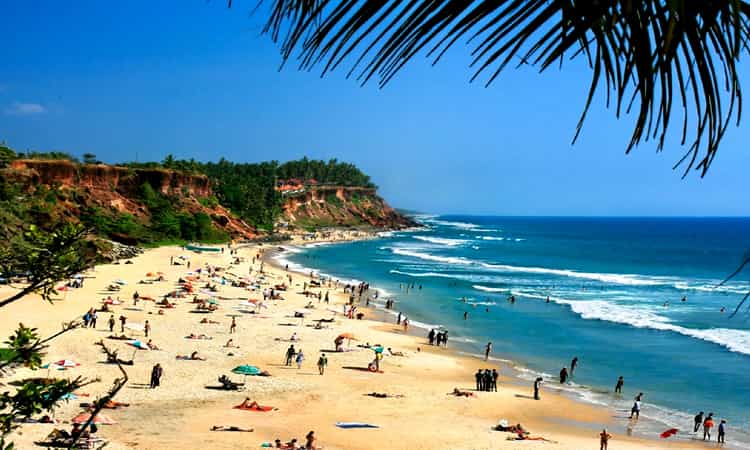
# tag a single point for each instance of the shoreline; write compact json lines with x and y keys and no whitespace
{"x":509,"y":368}
{"x":179,"y":413}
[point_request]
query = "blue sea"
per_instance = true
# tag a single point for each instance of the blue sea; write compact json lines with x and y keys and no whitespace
{"x":615,"y":289}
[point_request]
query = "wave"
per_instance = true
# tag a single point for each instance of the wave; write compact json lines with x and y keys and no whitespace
{"x":734,"y":340}
{"x":458,"y":225}
{"x":491,"y":238}
{"x":488,"y":289}
{"x":442,"y":241}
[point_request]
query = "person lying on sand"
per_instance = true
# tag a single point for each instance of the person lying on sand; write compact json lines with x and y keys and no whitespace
{"x":518,"y":429}
{"x":526,"y":437}
{"x":392,"y":353}
{"x":384,"y":395}
{"x":111,"y":404}
{"x":459,"y":393}
{"x":205,"y":320}
{"x":198,"y":336}
{"x":151,"y":345}
{"x":193,"y":357}
{"x":231,"y":428}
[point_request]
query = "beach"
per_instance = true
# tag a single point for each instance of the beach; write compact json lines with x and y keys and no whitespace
{"x":181,"y":411}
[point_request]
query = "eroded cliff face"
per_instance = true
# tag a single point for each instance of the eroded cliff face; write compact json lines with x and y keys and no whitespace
{"x":342,"y":206}
{"x":115,"y":189}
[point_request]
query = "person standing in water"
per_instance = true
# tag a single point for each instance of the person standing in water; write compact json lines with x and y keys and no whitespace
{"x":722,"y":431}
{"x":573,"y":365}
{"x":466,"y":315}
{"x":487,"y":350}
{"x":618,"y":386}
{"x":563,"y":375}
{"x":636,"y":409}
{"x":697,"y":422}
{"x":708,"y":423}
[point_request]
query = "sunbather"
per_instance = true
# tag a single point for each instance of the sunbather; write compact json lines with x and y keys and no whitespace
{"x":231,"y":428}
{"x":459,"y":393}
{"x":197,"y":336}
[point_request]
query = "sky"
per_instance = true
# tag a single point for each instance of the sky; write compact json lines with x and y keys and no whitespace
{"x":138,"y":80}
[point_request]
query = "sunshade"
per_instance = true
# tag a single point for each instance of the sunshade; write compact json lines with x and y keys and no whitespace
{"x":138,"y":344}
{"x":100,"y":419}
{"x":246,"y":370}
{"x":66,"y":363}
{"x":349,"y":336}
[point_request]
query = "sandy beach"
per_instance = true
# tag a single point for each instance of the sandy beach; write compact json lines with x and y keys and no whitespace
{"x":181,"y":412}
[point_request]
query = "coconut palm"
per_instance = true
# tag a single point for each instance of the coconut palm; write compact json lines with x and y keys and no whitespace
{"x":645,"y":55}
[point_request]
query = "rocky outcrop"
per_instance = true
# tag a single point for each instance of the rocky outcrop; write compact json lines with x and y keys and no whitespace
{"x":342,"y":205}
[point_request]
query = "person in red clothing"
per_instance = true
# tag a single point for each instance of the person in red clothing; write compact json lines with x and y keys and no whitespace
{"x":707,"y":425}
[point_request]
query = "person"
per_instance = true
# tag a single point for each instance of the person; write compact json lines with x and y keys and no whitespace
{"x":233,"y":326}
{"x":573,"y":365}
{"x":146,"y":328}
{"x":135,"y":298}
{"x":495,"y":375}
{"x":290,"y":352}
{"x":156,"y":374}
{"x":431,"y":336}
{"x":310,"y":441}
{"x":406,"y":324}
{"x":707,"y":425}
{"x":722,"y":430}
{"x":92,"y":320}
{"x":300,"y":358}
{"x":111,"y":323}
{"x":487,"y":350}
{"x":479,"y":378}
{"x":537,"y":385}
{"x":636,"y":409}
{"x":445,"y":338}
{"x":563,"y":375}
{"x":604,"y":438}
{"x":322,"y":363}
{"x":697,"y":422}
{"x":466,"y":315}
{"x":123,"y":319}
{"x":398,"y":319}
{"x":618,"y":386}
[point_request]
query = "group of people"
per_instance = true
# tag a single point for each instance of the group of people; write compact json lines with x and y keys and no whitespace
{"x":439,"y":337}
{"x":486,"y":380}
{"x":707,"y":423}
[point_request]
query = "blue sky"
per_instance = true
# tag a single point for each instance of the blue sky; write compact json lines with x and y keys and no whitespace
{"x":139,"y":79}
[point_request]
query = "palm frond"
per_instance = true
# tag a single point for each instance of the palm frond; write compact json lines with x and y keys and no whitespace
{"x":643,"y":53}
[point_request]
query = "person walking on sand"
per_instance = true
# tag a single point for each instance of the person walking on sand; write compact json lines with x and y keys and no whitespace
{"x":537,"y":385}
{"x":290,"y":352}
{"x":156,"y":374}
{"x":697,"y":422}
{"x":487,"y":350}
{"x":604,"y":438}
{"x":322,"y":363}
{"x":707,"y":425}
{"x":300,"y":359}
{"x":123,"y":319}
{"x":111,"y":323}
{"x":618,"y":386}
{"x":233,"y":326}
{"x":146,"y":328}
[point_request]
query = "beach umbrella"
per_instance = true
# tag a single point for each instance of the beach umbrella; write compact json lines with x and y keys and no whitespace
{"x":100,"y":419}
{"x":246,"y":370}
{"x":668,"y":433}
{"x":348,"y":336}
{"x":66,"y":363}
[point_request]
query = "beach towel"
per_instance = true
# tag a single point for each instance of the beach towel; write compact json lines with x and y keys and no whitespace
{"x":669,"y":433}
{"x":258,"y":408}
{"x":355,"y":425}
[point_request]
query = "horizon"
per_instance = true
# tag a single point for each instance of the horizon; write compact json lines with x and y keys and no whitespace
{"x":205,"y":85}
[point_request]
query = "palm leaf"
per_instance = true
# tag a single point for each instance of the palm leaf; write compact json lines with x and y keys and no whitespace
{"x":642,"y":53}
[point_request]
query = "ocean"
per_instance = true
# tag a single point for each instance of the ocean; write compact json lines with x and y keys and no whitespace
{"x":615,"y":289}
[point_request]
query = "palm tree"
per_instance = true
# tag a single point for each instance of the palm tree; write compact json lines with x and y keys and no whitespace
{"x":645,"y":55}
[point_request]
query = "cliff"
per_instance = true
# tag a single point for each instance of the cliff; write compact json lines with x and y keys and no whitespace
{"x":71,"y":190}
{"x":341,"y":206}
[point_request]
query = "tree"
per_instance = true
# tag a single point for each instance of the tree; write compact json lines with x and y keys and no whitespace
{"x":90,"y":158}
{"x":645,"y":54}
{"x":42,"y":259}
